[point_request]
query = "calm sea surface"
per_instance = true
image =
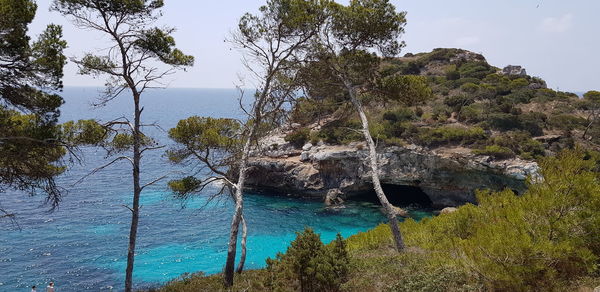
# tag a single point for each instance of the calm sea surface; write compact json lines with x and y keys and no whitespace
{"x":82,"y":245}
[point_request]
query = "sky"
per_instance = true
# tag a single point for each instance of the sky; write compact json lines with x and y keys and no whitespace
{"x":556,"y":40}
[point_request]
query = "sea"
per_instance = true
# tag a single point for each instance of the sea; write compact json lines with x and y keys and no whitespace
{"x":82,"y":245}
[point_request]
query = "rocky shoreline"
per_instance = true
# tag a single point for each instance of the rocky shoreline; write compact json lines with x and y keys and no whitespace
{"x":448,"y":176}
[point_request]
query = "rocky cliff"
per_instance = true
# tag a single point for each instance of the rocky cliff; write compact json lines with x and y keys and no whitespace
{"x":448,"y":176}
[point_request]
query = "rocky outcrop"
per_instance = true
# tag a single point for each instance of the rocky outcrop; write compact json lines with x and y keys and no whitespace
{"x":334,"y":197}
{"x":449,"y":176}
{"x":514,"y":70}
{"x":448,"y":210}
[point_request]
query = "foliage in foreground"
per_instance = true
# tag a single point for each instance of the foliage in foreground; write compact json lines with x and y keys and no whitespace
{"x":30,"y":76}
{"x":309,"y":265}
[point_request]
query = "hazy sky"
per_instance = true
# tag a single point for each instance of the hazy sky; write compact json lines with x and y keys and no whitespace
{"x":554,"y":39}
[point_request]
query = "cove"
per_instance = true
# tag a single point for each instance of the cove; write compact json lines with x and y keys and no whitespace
{"x":82,"y":245}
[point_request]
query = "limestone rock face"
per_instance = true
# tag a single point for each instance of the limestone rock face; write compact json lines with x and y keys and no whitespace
{"x":448,"y":176}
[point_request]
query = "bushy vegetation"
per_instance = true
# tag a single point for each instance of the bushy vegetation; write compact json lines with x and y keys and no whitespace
{"x":539,"y":241}
{"x":298,"y":137}
{"x":309,"y":265}
{"x":543,"y":240}
{"x":452,"y":97}
{"x":450,"y":135}
{"x":341,"y":131}
{"x":495,"y":151}
{"x":518,"y":142}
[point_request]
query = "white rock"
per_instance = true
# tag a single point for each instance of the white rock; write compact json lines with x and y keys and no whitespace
{"x":307,"y":146}
{"x":304,"y":156}
{"x":448,"y":210}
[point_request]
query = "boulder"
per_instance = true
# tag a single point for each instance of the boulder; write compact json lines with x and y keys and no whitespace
{"x":333,"y":197}
{"x":400,"y":212}
{"x":514,"y":70}
{"x":304,"y":156}
{"x":307,"y":146}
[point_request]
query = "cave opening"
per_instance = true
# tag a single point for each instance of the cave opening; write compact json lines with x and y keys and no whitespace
{"x":400,"y":195}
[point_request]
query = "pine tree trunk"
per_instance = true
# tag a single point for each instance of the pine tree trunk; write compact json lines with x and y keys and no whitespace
{"x":135,"y":209}
{"x":389,"y":210}
{"x":240,"y":266}
{"x":237,"y":215}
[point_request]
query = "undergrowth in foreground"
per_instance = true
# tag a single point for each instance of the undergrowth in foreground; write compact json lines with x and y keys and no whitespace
{"x":543,"y":240}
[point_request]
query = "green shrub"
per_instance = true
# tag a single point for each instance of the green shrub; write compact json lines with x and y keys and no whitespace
{"x":521,"y":96}
{"x":341,"y":132}
{"x":411,"y":68}
{"x":391,"y":133}
{"x":452,"y":75}
{"x":567,"y":122}
{"x":309,"y":265}
{"x":471,"y":114}
{"x":531,"y":122}
{"x":314,"y":138}
{"x":469,"y":87}
{"x":370,"y":240}
{"x":487,"y":91}
{"x":475,"y":69}
{"x":408,"y":89}
{"x":519,"y":83}
{"x":388,"y":69}
{"x":308,"y":110}
{"x":399,"y":115}
{"x":520,"y":143}
{"x":431,"y":279}
{"x":441,"y":54}
{"x":441,"y":112}
{"x":298,"y":137}
{"x":543,"y":95}
{"x":503,"y":122}
{"x":386,"y":270}
{"x":465,"y":80}
{"x":450,"y":135}
{"x":495,"y":151}
{"x":457,"y":102}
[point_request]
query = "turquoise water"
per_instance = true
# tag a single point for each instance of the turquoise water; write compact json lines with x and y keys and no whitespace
{"x":82,"y":245}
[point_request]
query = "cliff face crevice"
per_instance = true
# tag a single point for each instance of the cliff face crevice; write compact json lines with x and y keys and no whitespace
{"x":448,"y":176}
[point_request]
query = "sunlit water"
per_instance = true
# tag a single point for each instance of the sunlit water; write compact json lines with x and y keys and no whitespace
{"x":82,"y":245}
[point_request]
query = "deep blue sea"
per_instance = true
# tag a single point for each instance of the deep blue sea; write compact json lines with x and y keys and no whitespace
{"x":82,"y":245}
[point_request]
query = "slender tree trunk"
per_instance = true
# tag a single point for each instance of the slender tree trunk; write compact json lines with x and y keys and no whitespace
{"x":237,"y":215}
{"x":389,"y":210}
{"x":592,"y":119}
{"x":135,"y":209}
{"x":239,"y":189}
{"x":240,"y":266}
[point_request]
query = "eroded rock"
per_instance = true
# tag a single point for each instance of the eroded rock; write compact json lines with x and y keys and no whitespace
{"x":449,"y":176}
{"x":400,"y":212}
{"x":514,"y":70}
{"x":333,"y":197}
